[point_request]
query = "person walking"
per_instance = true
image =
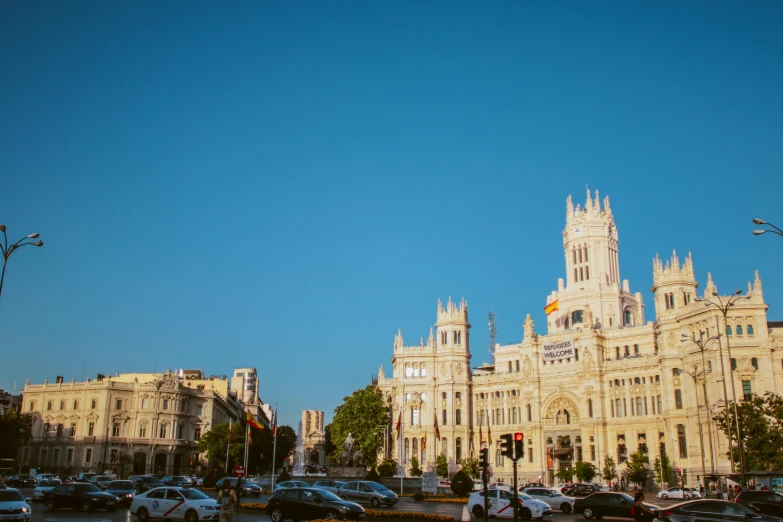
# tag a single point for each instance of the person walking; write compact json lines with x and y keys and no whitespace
{"x":732,"y":494}
{"x":226,"y":499}
{"x":640,"y":512}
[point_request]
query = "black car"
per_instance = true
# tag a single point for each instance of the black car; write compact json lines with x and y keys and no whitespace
{"x":81,"y":495}
{"x":142,"y":483}
{"x":122,"y":489}
{"x":579,"y":490}
{"x":710,"y":510}
{"x":21,"y":481}
{"x":249,"y":489}
{"x":765,"y":502}
{"x":599,"y":505}
{"x":310,"y":504}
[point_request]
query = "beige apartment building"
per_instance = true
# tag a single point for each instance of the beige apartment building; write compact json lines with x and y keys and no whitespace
{"x":132,"y":423}
{"x":603,"y":380}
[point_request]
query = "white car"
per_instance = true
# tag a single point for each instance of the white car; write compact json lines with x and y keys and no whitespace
{"x":552,"y":497}
{"x":693,"y":492}
{"x":188,"y":504}
{"x":674,"y":493}
{"x":500,"y":505}
{"x":44,"y":486}
{"x":11,"y":501}
{"x":44,"y":476}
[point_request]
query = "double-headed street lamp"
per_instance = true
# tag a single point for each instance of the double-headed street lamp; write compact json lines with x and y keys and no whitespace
{"x":696,"y":375}
{"x":702,"y":345}
{"x":8,"y":250}
{"x":724,"y":307}
{"x":760,"y":231}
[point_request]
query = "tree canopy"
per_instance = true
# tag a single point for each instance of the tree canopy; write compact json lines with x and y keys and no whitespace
{"x":15,"y":430}
{"x":761,"y":427}
{"x":585,"y":471}
{"x":610,"y":469}
{"x":663,"y":470}
{"x":214,"y":443}
{"x":637,"y":468}
{"x":364,"y":415}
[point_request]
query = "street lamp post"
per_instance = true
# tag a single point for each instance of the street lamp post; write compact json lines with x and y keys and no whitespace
{"x":702,"y":344}
{"x":759,"y":231}
{"x":724,"y":307}
{"x":8,"y":250}
{"x":696,"y":375}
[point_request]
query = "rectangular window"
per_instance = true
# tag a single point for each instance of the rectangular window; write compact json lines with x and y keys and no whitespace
{"x":179,"y":432}
{"x":660,"y":405}
{"x":91,"y":429}
{"x":142,"y":431}
{"x":56,"y":457}
{"x":509,"y":366}
{"x":517,"y":366}
{"x":611,"y":404}
{"x":746,"y":391}
{"x":443,"y":418}
{"x":498,"y":458}
{"x":115,"y":429}
{"x":88,"y":456}
{"x":529,"y":451}
{"x":515,"y":415}
{"x":72,"y":431}
{"x":118,"y":404}
{"x":678,"y":399}
{"x":592,"y":453}
{"x":68,"y":456}
{"x":165,"y":404}
{"x":682,"y":441}
{"x":162,"y":431}
{"x":145,"y":403}
{"x":197,"y":433}
{"x":199,"y":410}
{"x":590,"y":408}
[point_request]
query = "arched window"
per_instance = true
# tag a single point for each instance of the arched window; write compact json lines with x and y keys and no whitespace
{"x":445,"y":445}
{"x":458,"y":449}
{"x":636,"y":351}
{"x":32,"y":405}
{"x":49,"y":406}
{"x":755,"y":363}
{"x":415,"y":451}
{"x":728,"y":329}
{"x":62,"y":405}
{"x":627,"y":318}
{"x":75,"y":405}
{"x":424,"y":372}
{"x":407,"y":451}
{"x":739,"y":329}
{"x":637,"y":380}
{"x":750,"y":329}
{"x":589,"y":407}
{"x":408,"y":371}
{"x":576,"y":317}
{"x":458,"y":417}
{"x":639,"y":406}
{"x":617,"y":351}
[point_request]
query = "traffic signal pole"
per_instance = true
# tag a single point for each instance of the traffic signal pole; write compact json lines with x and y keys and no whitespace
{"x":485,"y":479}
{"x":516,"y":498}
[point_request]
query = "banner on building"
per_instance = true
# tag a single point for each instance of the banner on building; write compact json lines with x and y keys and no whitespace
{"x":560,"y":350}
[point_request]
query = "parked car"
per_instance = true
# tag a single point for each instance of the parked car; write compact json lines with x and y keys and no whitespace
{"x":607,"y":504}
{"x":102,"y":481}
{"x":22,"y":481}
{"x":176,"y":481}
{"x":765,"y":502}
{"x":367,"y":492}
{"x":579,"y":490}
{"x":142,"y":483}
{"x":123,"y":490}
{"x":674,"y":493}
{"x":552,"y":497}
{"x":249,"y":489}
{"x":692,"y":492}
{"x":291,"y":484}
{"x":709,"y":510}
{"x":45,"y":476}
{"x":200,"y":482}
{"x":13,"y":505}
{"x":81,"y":495}
{"x":71,"y":479}
{"x":329,"y":485}
{"x":188,"y":504}
{"x":44,"y":486}
{"x":501,"y":505}
{"x":311,"y":503}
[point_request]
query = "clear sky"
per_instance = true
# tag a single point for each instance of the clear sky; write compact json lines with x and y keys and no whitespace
{"x":285,"y":184}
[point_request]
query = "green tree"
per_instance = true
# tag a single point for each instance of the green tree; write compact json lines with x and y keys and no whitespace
{"x":286,"y":443}
{"x":15,"y":431}
{"x":585,"y":471}
{"x":415,"y":470}
{"x":564,"y":474}
{"x":637,"y":468}
{"x":470,"y":466}
{"x":663,"y":470}
{"x":364,"y":415}
{"x":761,"y":427}
{"x":442,"y":465}
{"x":387,"y":468}
{"x":610,"y":469}
{"x":215,"y":443}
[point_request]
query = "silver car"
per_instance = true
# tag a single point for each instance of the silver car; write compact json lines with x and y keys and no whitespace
{"x":367,"y":492}
{"x":329,"y":485}
{"x":552,"y":497}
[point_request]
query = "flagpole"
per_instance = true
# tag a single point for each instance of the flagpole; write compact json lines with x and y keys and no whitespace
{"x":274,"y":448}
{"x":247,"y":443}
{"x":402,"y":455}
{"x":228,"y":448}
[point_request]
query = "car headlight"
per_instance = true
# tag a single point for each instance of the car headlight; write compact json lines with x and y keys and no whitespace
{"x":26,"y":509}
{"x":129,"y":495}
{"x":208,"y":508}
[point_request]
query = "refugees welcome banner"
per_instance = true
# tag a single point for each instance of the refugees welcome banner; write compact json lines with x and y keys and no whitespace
{"x":560,"y":350}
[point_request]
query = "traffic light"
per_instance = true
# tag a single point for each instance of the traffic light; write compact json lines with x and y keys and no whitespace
{"x":679,"y":471}
{"x":484,"y":459}
{"x":507,"y":446}
{"x":519,"y":445}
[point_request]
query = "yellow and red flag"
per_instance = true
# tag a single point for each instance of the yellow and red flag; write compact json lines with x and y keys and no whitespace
{"x":437,"y":431}
{"x":551,"y":307}
{"x":481,"y":436}
{"x":250,"y":421}
{"x":274,"y":427}
{"x":489,"y":432}
{"x":424,"y":442}
{"x":399,"y":425}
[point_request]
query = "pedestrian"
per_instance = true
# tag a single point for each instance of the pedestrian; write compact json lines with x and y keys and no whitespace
{"x":732,"y":494}
{"x":3,"y":480}
{"x":226,"y":499}
{"x":640,"y":512}
{"x":725,"y":492}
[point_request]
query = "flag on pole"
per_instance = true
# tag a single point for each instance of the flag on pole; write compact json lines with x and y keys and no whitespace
{"x":399,"y":425}
{"x":274,"y":425}
{"x":489,"y":432}
{"x":481,"y":436}
{"x":551,"y":307}
{"x":437,"y":431}
{"x":229,"y":431}
{"x":248,"y":436}
{"x":424,"y":442}
{"x":250,"y":421}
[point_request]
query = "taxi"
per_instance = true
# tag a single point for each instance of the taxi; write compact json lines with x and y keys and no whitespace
{"x":174,"y":503}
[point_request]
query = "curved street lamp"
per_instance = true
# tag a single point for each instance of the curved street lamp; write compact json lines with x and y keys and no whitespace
{"x":8,"y":250}
{"x":724,"y":307}
{"x":760,"y":231}
{"x":696,"y":375}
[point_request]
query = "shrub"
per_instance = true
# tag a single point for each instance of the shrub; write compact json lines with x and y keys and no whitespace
{"x":372,"y":475}
{"x":418,"y":497}
{"x":283,"y":476}
{"x":415,"y":469}
{"x":387,"y":468}
{"x":461,"y":484}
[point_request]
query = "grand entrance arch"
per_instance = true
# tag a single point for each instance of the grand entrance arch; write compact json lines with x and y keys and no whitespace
{"x":160,"y":464}
{"x":140,"y":463}
{"x":562,"y":433}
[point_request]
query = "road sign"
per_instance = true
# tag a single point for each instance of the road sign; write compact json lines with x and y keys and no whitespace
{"x":239,"y":471}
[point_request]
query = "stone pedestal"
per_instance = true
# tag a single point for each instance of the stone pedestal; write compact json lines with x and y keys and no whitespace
{"x":347,"y":472}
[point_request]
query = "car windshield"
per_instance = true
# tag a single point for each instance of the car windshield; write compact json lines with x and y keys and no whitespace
{"x":49,"y":483}
{"x":11,"y":495}
{"x":378,"y":487}
{"x":90,"y":488}
{"x":629,"y":498}
{"x":523,"y":496}
{"x":121,"y":484}
{"x":556,"y":493}
{"x":327,"y":495}
{"x":193,"y":494}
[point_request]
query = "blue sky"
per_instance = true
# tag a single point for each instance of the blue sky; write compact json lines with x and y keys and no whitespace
{"x":284,"y":185}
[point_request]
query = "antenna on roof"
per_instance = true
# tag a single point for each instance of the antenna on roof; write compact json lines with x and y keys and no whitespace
{"x":492,"y":333}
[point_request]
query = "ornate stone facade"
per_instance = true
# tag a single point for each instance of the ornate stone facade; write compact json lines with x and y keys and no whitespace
{"x":311,"y":440}
{"x":619,"y":392}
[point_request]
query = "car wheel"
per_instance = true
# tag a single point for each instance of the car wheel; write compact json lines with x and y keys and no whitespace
{"x":332,"y":515}
{"x":50,"y":505}
{"x":375,"y":503}
{"x":478,"y":511}
{"x":143,"y":515}
{"x":588,"y":513}
{"x":86,"y":506}
{"x":566,"y":507}
{"x":524,"y":514}
{"x":191,"y":516}
{"x":664,"y":496}
{"x":277,"y":515}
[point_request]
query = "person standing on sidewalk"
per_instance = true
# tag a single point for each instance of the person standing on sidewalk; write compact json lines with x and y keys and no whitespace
{"x":226,"y":499}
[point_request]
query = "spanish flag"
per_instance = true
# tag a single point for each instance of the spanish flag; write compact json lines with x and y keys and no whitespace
{"x":424,"y":442}
{"x":551,"y":307}
{"x":250,"y":421}
{"x":437,"y":431}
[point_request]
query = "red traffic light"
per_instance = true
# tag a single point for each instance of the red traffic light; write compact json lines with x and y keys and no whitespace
{"x":519,"y":436}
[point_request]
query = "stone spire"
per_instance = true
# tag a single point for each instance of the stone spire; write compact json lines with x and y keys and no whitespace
{"x":431,"y":339}
{"x":710,"y":288}
{"x":607,"y":208}
{"x":398,"y":340}
{"x":529,"y":327}
{"x":757,"y":286}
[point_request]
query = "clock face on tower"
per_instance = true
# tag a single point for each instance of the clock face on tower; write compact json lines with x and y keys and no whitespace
{"x":578,"y":230}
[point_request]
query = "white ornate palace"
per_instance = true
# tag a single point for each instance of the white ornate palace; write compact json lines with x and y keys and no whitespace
{"x":618,"y":392}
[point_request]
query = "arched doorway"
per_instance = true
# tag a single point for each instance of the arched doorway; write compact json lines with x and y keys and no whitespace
{"x":140,"y":464}
{"x":314,"y":458}
{"x":160,"y":464}
{"x":177,"y":463}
